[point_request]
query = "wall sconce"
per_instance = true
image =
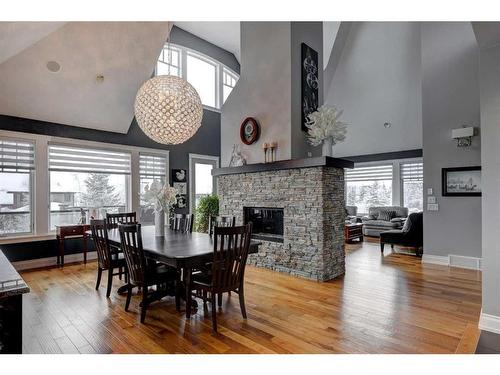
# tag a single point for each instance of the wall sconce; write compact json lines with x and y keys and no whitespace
{"x":463,"y":136}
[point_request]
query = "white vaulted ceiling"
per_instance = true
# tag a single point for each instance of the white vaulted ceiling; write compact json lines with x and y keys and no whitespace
{"x":125,"y":53}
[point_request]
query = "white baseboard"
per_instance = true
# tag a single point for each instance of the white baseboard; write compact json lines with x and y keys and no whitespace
{"x":24,"y":265}
{"x":489,"y":323}
{"x":453,"y":260}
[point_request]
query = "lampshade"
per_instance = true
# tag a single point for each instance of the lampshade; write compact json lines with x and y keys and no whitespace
{"x":168,"y":109}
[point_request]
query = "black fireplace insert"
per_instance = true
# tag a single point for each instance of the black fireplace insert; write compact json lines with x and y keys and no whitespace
{"x":267,"y":222}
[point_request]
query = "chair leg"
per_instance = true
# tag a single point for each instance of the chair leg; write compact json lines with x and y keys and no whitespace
{"x":392,"y":247}
{"x":120,"y":271}
{"x":205,"y":298}
{"x":241,"y":294}
{"x":129,"y":296}
{"x":382,"y":247}
{"x":144,"y":303}
{"x":110,"y":282}
{"x":214,"y":313}
{"x":99,"y":274}
{"x":219,"y":299}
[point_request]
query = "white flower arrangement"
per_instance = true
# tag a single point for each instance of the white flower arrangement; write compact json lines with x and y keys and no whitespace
{"x":324,"y":123}
{"x":161,"y":197}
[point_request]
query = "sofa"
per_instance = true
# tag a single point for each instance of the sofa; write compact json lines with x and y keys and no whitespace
{"x":351,"y":215}
{"x":411,"y":235}
{"x":381,"y":219}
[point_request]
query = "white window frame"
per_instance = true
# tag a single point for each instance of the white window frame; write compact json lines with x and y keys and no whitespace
{"x":220,"y":67}
{"x":41,"y":188}
{"x":397,"y":183}
{"x":192,"y":158}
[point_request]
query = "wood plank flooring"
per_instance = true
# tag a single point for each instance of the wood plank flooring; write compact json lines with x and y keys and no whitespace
{"x":383,"y":304}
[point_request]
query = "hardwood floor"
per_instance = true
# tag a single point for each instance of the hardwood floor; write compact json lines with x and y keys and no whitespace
{"x":384,"y":304}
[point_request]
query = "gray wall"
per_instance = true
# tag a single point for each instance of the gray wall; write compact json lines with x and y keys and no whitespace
{"x":186,"y":39}
{"x":490,"y":155}
{"x":310,"y":33}
{"x":263,"y":91}
{"x":378,"y":80}
{"x":450,"y":99}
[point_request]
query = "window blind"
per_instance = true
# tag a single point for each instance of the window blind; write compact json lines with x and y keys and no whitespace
{"x":16,"y":156}
{"x":152,"y":165}
{"x":79,"y":159}
{"x":372,"y":173}
{"x":412,"y":171}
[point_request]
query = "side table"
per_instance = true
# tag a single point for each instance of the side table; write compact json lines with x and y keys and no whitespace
{"x":353,"y":232}
{"x":71,"y":231}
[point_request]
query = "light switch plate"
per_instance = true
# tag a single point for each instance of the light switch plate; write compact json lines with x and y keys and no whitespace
{"x":432,"y":207}
{"x":431,"y":199}
{"x":429,"y":191}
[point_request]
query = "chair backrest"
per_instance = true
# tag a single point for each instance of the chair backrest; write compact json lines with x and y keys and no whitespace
{"x":101,"y":244}
{"x":231,"y":246}
{"x":400,"y":211}
{"x":414,"y":224}
{"x":220,"y":221}
{"x":183,"y":223}
{"x":112,"y":220}
{"x":131,"y":241}
{"x":351,"y":210}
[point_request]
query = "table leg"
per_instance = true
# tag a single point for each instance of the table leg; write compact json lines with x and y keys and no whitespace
{"x":84,"y":249}
{"x":187,"y":284}
{"x":178,"y":290}
{"x":61,"y":251}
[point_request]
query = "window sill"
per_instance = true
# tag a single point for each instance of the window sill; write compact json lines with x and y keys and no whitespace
{"x":27,"y":238}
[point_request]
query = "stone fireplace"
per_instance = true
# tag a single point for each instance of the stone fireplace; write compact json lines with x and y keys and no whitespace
{"x":306,"y":197}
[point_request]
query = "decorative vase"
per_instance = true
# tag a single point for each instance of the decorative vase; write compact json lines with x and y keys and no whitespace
{"x":159,"y":223}
{"x":327,"y":147}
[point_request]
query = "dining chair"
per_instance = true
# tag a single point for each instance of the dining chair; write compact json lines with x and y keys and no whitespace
{"x":183,"y":223}
{"x":112,"y":220}
{"x":220,"y":221}
{"x":105,"y":260}
{"x":231,"y":245}
{"x":141,"y":273}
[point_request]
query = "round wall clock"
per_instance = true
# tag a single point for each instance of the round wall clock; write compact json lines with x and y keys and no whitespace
{"x":249,"y":131}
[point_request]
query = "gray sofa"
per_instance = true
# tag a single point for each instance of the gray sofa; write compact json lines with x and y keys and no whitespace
{"x":373,"y":226}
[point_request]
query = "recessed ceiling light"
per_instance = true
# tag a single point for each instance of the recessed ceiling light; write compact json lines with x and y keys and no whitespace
{"x":53,"y":66}
{"x":387,"y":125}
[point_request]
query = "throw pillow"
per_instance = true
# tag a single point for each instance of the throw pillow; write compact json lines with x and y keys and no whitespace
{"x":386,"y":215}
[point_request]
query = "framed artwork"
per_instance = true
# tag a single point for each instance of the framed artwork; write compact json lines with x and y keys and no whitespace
{"x":249,"y":131}
{"x":461,"y":182}
{"x":179,"y":175}
{"x":181,"y":187}
{"x":310,"y":82}
{"x":179,"y":181}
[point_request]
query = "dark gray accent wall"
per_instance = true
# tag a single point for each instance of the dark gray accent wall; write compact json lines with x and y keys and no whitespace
{"x":186,"y":39}
{"x":310,"y":33}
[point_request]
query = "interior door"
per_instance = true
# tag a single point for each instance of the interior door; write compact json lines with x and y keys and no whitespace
{"x":202,"y":181}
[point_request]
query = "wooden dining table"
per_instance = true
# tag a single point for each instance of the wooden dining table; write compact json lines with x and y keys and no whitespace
{"x":183,"y":251}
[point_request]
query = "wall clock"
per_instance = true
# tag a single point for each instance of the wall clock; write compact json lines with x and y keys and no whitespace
{"x":249,"y":131}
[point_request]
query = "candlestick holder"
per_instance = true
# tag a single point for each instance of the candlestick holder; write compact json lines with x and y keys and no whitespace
{"x":265,"y":147}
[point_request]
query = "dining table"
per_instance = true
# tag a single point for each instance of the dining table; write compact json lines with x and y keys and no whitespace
{"x":182,"y":251}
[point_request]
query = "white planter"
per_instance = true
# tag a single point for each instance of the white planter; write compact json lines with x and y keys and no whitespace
{"x":327,"y":147}
{"x":159,"y":223}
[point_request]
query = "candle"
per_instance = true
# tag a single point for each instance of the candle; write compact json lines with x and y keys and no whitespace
{"x":264,"y":146}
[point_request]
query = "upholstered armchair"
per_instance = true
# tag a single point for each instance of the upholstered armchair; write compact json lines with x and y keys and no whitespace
{"x":411,"y":235}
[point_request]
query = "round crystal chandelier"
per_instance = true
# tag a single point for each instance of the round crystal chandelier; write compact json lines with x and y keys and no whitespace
{"x":168,"y":109}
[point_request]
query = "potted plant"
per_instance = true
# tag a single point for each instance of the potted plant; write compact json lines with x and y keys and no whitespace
{"x":162,"y":198}
{"x":325,"y":128}
{"x":208,"y":206}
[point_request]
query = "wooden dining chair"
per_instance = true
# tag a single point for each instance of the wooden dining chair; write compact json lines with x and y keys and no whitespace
{"x":220,"y":221}
{"x":112,"y":220}
{"x":183,"y":223}
{"x":105,"y":260}
{"x":231,"y":245}
{"x":142,"y":273}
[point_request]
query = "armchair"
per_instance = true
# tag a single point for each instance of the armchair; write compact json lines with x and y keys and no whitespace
{"x":411,"y":235}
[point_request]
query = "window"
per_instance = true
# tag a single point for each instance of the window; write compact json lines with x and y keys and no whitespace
{"x":202,"y":181}
{"x":16,"y":180}
{"x":152,"y":169}
{"x":369,"y":186}
{"x":87,"y":182}
{"x":228,"y":82}
{"x":212,"y":80}
{"x":412,"y":185}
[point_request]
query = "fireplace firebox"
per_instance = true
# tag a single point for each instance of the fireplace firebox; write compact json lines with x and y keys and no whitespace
{"x":267,"y":222}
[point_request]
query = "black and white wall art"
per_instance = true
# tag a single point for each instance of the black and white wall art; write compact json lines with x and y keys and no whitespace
{"x":310,"y":82}
{"x":179,"y":181}
{"x":461,"y":182}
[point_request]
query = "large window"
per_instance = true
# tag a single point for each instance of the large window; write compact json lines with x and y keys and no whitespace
{"x":202,"y":181}
{"x":16,"y":175}
{"x":369,"y":186}
{"x":212,"y":80}
{"x":152,"y":169}
{"x":87,"y":182}
{"x":412,"y":185}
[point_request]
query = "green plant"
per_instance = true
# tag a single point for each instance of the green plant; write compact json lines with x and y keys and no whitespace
{"x":208,"y":206}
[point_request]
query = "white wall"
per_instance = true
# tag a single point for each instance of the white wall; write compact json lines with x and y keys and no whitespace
{"x":378,"y":80}
{"x":263,"y":91}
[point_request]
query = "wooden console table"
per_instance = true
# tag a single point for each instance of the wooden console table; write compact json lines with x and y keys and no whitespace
{"x":71,"y":231}
{"x":353,"y":231}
